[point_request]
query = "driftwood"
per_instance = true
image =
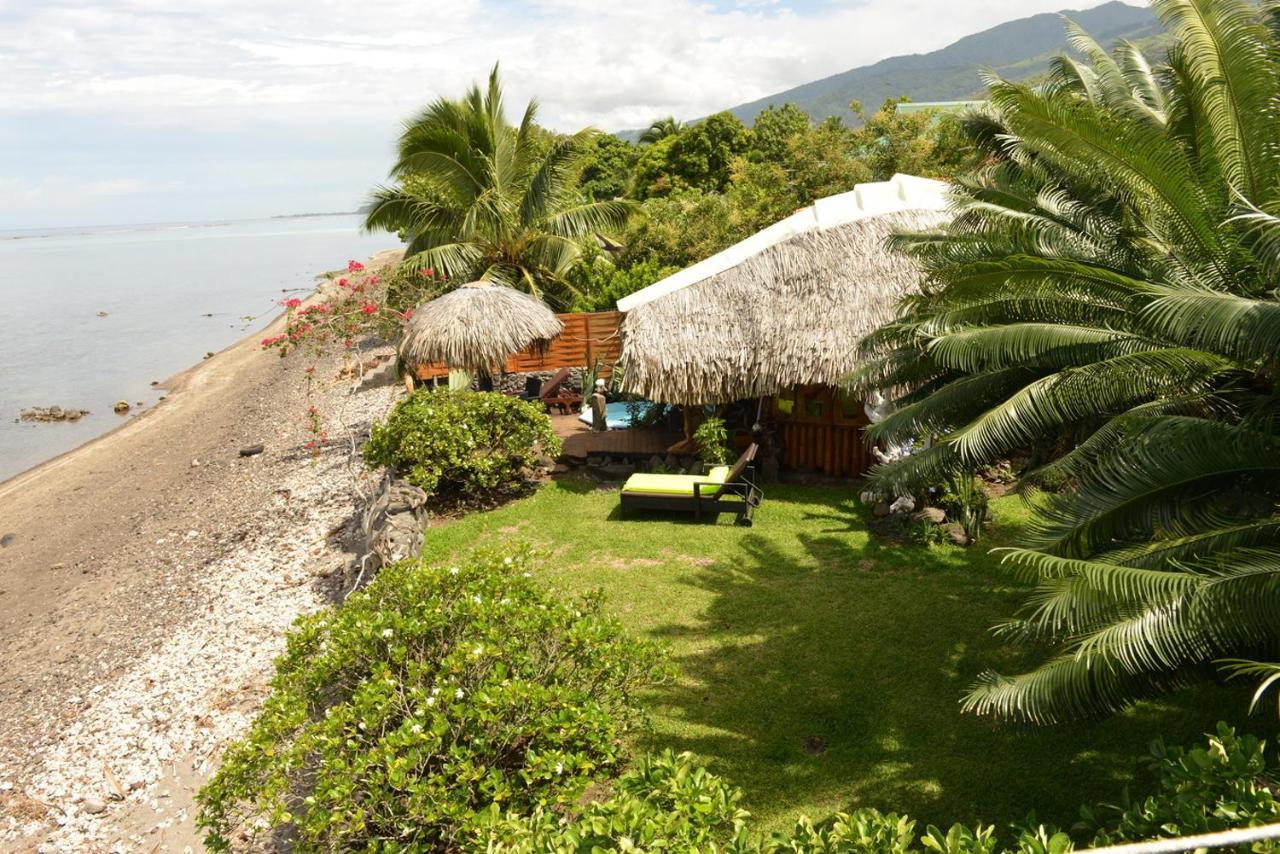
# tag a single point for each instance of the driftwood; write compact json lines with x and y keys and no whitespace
{"x":392,"y":525}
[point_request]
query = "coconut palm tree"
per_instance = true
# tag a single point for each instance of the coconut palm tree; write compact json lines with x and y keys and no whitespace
{"x":477,"y":198}
{"x":1108,"y":286}
{"x":660,"y":130}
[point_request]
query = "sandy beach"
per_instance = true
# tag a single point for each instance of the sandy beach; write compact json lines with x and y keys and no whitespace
{"x":146,"y":583}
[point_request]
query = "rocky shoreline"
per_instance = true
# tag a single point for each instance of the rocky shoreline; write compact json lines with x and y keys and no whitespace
{"x":146,"y":583}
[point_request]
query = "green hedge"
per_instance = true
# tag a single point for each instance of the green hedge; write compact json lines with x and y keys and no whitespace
{"x":462,"y":445}
{"x":428,"y":697}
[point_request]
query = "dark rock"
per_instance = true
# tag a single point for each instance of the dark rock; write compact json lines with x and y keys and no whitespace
{"x":936,"y":515}
{"x":561,"y":468}
{"x":955,"y":531}
{"x":252,"y":450}
{"x":7,"y":539}
{"x":671,"y":462}
{"x":121,"y":407}
{"x":52,"y":413}
{"x":102,"y":314}
{"x":618,"y":471}
{"x":655,"y":462}
{"x":880,"y":510}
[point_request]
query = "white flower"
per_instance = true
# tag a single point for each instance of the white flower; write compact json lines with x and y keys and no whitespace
{"x":417,"y":729}
{"x":435,"y":691}
{"x":527,"y":574}
{"x":453,"y":570}
{"x":476,"y":599}
{"x":431,"y":701}
{"x":505,"y":601}
{"x":479,"y":650}
{"x":386,"y":633}
{"x":458,"y":694}
{"x":559,"y":767}
{"x":506,"y":561}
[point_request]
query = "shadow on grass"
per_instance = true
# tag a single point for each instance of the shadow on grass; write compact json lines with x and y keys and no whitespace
{"x":835,"y":679}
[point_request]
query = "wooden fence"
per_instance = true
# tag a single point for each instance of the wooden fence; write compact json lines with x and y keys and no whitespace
{"x":587,"y":338}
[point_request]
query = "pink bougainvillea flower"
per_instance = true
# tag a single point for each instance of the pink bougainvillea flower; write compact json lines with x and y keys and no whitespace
{"x":368,"y":308}
{"x":354,"y":266}
{"x":342,"y":283}
{"x":407,"y":313}
{"x":293,"y":302}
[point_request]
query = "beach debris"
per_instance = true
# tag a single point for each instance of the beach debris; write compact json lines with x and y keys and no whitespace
{"x":252,"y":450}
{"x":209,"y":355}
{"x":155,"y":383}
{"x":195,"y":464}
{"x":52,"y":413}
{"x":7,"y":539}
{"x":93,"y":806}
{"x":121,"y":407}
{"x":392,"y":525}
{"x":102,"y":314}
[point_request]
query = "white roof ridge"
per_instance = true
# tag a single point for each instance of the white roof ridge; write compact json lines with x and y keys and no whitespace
{"x":864,"y":201}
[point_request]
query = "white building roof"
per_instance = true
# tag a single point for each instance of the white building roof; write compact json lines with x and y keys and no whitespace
{"x":899,"y":193}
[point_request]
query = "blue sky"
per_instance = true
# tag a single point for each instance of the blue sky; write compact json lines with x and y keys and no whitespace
{"x":154,"y":111}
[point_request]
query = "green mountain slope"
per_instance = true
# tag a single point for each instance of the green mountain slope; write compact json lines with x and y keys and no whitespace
{"x":1016,"y":50}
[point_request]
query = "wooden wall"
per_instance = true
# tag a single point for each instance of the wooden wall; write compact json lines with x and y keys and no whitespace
{"x":587,"y":338}
{"x":822,"y":432}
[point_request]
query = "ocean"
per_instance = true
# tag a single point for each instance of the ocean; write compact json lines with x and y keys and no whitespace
{"x":91,"y":316}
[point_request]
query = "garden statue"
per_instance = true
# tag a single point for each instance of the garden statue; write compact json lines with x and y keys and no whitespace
{"x":599,"y":404}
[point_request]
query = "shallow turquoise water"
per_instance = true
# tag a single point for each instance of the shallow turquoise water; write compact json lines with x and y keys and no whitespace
{"x":171,"y":293}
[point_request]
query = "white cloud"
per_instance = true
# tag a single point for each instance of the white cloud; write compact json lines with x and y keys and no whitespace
{"x":315,"y":89}
{"x":610,"y":64}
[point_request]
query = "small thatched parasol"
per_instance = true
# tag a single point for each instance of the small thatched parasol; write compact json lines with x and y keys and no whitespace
{"x":475,"y":328}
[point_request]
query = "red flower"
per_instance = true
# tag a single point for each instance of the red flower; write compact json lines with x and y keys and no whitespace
{"x":292,"y":303}
{"x":342,"y":283}
{"x":428,"y":272}
{"x":368,"y":308}
{"x":407,"y":313}
{"x":354,"y":266}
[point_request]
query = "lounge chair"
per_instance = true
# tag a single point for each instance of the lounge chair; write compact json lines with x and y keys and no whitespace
{"x":724,"y":489}
{"x":554,"y":394}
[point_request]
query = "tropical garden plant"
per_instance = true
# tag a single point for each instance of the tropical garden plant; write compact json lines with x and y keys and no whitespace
{"x":463,"y":446}
{"x":1107,"y":289}
{"x":478,"y":198}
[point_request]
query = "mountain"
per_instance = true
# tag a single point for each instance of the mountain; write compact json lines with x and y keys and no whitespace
{"x":1016,"y":50}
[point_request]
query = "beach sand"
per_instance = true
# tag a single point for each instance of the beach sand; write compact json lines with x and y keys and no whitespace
{"x":146,"y":582}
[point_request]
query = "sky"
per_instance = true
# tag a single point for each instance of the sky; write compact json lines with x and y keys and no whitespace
{"x":159,"y":111}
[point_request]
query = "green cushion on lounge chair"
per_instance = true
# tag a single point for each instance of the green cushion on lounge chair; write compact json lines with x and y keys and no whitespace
{"x":675,"y":484}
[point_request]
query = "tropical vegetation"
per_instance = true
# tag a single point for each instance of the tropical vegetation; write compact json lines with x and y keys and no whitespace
{"x":462,"y":446}
{"x":1106,"y":297}
{"x":478,"y":198}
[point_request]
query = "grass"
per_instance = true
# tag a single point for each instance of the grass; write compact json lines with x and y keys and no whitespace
{"x":821,"y":670}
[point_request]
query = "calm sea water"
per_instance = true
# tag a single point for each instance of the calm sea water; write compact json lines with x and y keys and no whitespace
{"x":171,"y":293}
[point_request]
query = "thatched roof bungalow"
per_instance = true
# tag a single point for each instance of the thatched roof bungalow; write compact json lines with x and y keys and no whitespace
{"x":784,"y":308}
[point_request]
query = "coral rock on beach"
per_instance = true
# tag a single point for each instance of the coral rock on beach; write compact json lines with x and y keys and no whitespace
{"x":52,"y":413}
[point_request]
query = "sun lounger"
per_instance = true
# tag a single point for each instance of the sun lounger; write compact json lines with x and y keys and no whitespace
{"x":724,"y":489}
{"x":554,"y":394}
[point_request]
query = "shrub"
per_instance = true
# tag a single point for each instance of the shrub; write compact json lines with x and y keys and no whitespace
{"x":1223,"y":785}
{"x":462,"y":444}
{"x":713,"y":441}
{"x":434,"y":693}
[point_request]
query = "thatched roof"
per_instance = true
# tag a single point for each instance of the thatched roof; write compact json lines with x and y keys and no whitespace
{"x":476,"y":326}
{"x":791,"y":311}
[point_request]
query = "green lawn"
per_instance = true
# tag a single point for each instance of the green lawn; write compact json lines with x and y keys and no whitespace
{"x":820,"y":670}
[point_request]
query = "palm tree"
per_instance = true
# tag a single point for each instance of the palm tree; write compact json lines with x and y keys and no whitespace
{"x":480,"y":199}
{"x":1108,"y":285}
{"x":661,"y":129}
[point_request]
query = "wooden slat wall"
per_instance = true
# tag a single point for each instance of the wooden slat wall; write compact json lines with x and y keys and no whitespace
{"x":587,"y":338}
{"x":829,"y":443}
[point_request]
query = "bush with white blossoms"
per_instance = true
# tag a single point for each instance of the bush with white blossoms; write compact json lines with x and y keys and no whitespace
{"x":433,"y":694}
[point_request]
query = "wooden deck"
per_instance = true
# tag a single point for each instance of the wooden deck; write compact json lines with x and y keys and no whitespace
{"x":637,"y":442}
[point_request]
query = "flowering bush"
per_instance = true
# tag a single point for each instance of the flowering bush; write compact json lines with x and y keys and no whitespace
{"x":429,"y":696}
{"x":357,"y":304}
{"x":462,"y":445}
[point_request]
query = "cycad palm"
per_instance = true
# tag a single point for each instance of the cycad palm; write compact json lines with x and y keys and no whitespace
{"x":479,"y":198}
{"x":1098,"y":284}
